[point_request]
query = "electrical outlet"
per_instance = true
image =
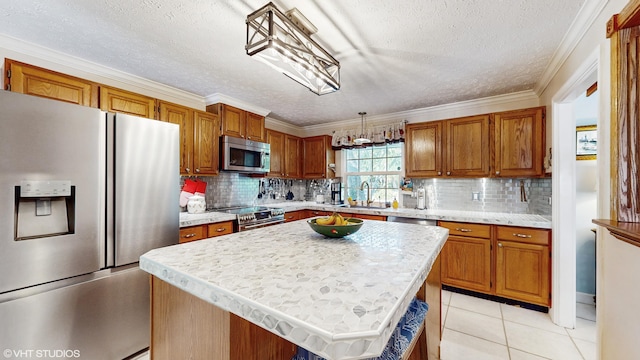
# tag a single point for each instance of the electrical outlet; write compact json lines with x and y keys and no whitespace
{"x":549,"y":200}
{"x":475,"y":196}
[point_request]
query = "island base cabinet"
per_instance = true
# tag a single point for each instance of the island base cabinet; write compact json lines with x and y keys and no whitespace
{"x":186,"y":327}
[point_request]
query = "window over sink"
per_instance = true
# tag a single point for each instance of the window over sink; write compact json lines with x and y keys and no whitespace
{"x":380,"y":166}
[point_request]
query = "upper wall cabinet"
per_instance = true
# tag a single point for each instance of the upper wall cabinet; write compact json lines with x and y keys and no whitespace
{"x":317,"y":155}
{"x":32,"y":80}
{"x":467,"y":147}
{"x":285,"y":155}
{"x":423,"y":143}
{"x":239,"y":123}
{"x":519,"y":142}
{"x":183,"y":117}
{"x":120,"y":101}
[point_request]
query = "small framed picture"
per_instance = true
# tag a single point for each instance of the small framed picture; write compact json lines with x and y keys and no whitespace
{"x":586,"y":142}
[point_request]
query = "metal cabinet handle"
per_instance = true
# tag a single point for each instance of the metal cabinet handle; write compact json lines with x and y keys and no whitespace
{"x":448,"y":172}
{"x":220,"y":229}
{"x":197,"y":170}
{"x":189,"y":236}
{"x":497,"y":172}
{"x":439,"y":172}
{"x":522,"y":235}
{"x":463,"y":230}
{"x":499,"y":244}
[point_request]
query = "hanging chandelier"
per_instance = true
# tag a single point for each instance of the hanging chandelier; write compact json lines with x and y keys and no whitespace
{"x":283,"y":42}
{"x":362,"y":138}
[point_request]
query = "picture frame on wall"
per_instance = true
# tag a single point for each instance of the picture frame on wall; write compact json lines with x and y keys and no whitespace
{"x":586,"y":142}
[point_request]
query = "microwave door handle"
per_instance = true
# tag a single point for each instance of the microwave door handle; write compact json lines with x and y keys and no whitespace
{"x":262,"y":160}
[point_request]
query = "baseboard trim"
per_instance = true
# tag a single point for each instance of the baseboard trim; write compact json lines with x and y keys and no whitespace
{"x":585,"y":298}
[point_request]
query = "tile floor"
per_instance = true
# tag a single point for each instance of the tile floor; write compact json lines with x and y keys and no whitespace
{"x":478,"y":329}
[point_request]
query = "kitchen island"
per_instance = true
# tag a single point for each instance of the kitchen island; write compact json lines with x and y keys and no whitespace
{"x":339,"y":298}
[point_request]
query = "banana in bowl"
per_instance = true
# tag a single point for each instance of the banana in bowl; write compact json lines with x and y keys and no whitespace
{"x":335,"y":225}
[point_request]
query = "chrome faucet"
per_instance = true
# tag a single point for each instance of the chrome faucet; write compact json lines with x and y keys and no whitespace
{"x":369,"y":201}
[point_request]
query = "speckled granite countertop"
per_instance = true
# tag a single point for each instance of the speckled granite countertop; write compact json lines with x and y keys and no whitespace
{"x":340,"y":298}
{"x":496,"y":218}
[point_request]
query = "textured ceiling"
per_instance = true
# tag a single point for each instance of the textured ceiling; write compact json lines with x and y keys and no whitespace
{"x":394,"y":55}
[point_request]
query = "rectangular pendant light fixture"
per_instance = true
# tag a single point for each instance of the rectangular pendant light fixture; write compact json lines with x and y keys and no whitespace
{"x":274,"y":39}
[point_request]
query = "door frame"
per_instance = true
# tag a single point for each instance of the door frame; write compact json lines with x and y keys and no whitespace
{"x":563,"y":310}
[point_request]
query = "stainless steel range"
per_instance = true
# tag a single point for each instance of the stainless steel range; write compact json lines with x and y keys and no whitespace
{"x":255,"y":217}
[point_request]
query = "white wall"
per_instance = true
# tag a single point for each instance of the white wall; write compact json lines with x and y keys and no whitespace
{"x":586,"y":210}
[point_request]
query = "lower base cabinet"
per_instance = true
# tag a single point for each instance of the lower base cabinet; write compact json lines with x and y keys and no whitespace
{"x":199,"y":232}
{"x":506,"y":261}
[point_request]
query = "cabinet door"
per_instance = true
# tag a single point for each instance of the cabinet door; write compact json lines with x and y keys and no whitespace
{"x":233,"y":121}
{"x":292,"y":146}
{"x":519,"y":142}
{"x":317,"y":153}
{"x":183,"y":117}
{"x":31,"y":80}
{"x":255,"y":127}
{"x":467,"y":146}
{"x":423,"y":145}
{"x":205,"y":144}
{"x":116,"y":100}
{"x":219,"y":229}
{"x":466,"y":263}
{"x":276,"y":160}
{"x":522,"y":272}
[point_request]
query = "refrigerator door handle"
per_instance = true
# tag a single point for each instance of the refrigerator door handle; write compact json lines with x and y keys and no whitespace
{"x":110,"y":191}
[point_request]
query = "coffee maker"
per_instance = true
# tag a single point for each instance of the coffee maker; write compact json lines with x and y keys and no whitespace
{"x":336,"y":193}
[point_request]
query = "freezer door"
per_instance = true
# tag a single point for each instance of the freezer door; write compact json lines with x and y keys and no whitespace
{"x":146,"y":188}
{"x":44,"y":140}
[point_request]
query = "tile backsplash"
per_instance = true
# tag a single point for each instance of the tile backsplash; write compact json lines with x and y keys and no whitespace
{"x":494,"y":195}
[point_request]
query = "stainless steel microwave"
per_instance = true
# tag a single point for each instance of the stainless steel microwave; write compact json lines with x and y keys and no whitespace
{"x":244,"y":155}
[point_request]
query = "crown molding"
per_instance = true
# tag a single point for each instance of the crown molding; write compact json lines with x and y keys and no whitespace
{"x":37,"y":55}
{"x":584,"y":20}
{"x":285,"y":127}
{"x":225,"y":99}
{"x":517,"y":100}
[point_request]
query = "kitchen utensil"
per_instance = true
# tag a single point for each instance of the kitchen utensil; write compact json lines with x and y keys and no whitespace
{"x":335,"y":231}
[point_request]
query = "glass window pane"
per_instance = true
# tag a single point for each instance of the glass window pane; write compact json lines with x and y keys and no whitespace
{"x":379,"y":151}
{"x":365,"y":153}
{"x":393,"y":181}
{"x":352,"y":153}
{"x":352,"y":165}
{"x":366,"y":165}
{"x":394,"y":163}
{"x":395,"y":149}
{"x":380,"y":164}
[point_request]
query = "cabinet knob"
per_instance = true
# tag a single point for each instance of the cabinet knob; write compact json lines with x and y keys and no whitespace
{"x":197,"y":170}
{"x":448,"y":172}
{"x":187,"y":170}
{"x":499,"y":244}
{"x":497,"y":172}
{"x":439,"y":172}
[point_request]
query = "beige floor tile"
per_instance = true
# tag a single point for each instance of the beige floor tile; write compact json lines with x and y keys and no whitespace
{"x":585,"y":330}
{"x":482,"y":306}
{"x":586,"y":348}
{"x":443,"y":315}
{"x":541,"y":342}
{"x":459,"y":346}
{"x":475,"y":324}
{"x":521,"y":355}
{"x":530,"y":317}
{"x":586,"y":311}
{"x":446,"y":296}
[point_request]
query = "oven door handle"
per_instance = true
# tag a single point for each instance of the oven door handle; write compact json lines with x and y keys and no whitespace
{"x":247,"y":227}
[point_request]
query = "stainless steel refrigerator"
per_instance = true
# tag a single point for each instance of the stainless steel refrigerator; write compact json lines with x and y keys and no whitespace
{"x":83,"y":194}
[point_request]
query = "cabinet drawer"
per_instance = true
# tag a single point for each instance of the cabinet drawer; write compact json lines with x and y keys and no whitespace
{"x":221,"y":228}
{"x":466,"y":229}
{"x":312,"y":213}
{"x":293,"y":216}
{"x":370,"y":217}
{"x":523,"y":235}
{"x":192,"y":233}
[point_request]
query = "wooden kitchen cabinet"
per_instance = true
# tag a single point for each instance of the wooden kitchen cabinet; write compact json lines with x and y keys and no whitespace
{"x":219,"y":229}
{"x":423,"y":144}
{"x":314,"y":213}
{"x":120,"y":101}
{"x":370,"y":217}
{"x":32,"y":80}
{"x":467,"y":146}
{"x":294,"y":215}
{"x":239,"y":123}
{"x":285,"y":155}
{"x":205,"y":145}
{"x":198,"y":138}
{"x":466,"y":256}
{"x":519,"y":142}
{"x":317,"y":155}
{"x":522,"y":264}
{"x":199,"y":232}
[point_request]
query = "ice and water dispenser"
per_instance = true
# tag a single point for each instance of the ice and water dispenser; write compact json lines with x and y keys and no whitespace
{"x":44,"y":208}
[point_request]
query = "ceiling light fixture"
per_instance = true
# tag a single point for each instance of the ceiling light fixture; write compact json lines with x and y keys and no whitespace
{"x":362,"y":138}
{"x":283,"y":42}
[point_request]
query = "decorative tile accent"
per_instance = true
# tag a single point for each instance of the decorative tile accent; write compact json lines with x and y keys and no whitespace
{"x":339,"y":298}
